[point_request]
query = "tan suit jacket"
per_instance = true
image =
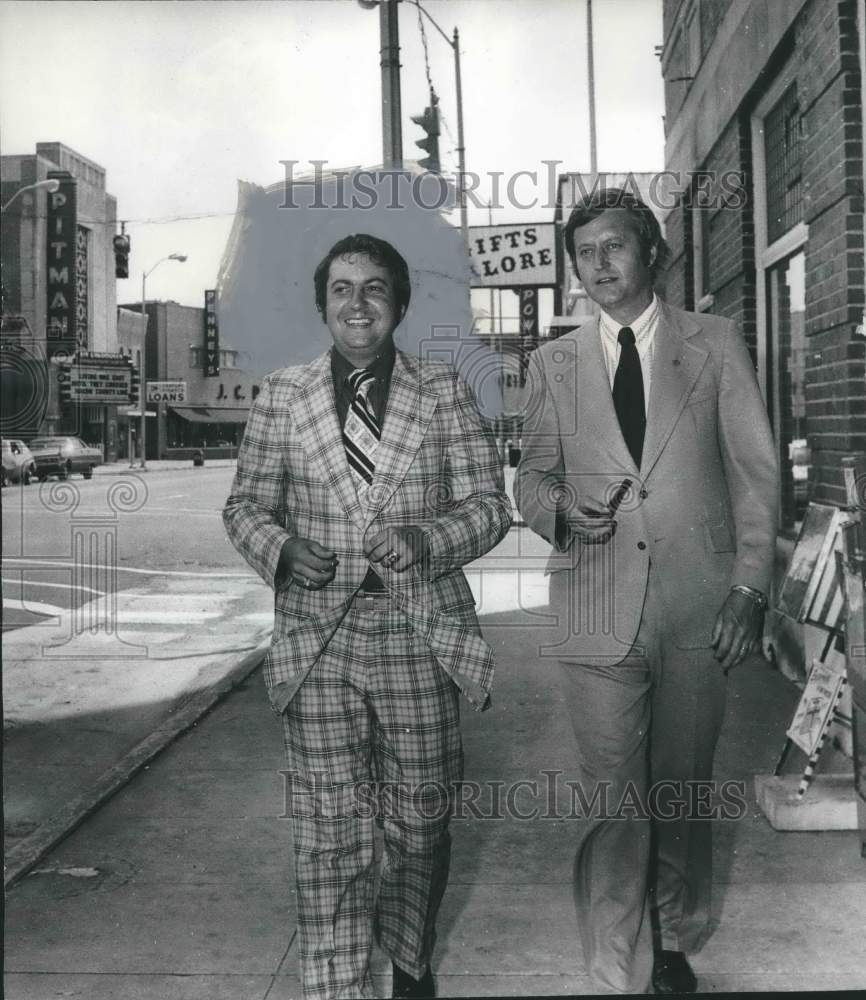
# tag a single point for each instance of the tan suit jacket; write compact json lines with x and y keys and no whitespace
{"x":703,"y":506}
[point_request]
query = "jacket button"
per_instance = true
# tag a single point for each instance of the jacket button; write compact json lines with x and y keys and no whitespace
{"x":643,"y":494}
{"x":641,"y":545}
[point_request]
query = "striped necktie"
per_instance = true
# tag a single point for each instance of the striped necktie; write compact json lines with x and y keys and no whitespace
{"x":361,"y":431}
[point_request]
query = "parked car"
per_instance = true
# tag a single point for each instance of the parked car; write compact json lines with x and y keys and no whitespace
{"x":61,"y":456}
{"x":18,"y":464}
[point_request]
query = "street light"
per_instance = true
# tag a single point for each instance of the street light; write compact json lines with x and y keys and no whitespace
{"x":51,"y":185}
{"x":142,"y":401}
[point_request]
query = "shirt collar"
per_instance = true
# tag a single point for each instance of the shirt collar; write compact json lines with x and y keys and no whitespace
{"x":641,"y":326}
{"x":381,"y":367}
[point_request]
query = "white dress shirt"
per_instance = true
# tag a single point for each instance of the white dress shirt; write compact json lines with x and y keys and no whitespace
{"x":644,"y":329}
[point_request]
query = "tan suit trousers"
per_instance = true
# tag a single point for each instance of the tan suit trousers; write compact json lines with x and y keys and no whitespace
{"x":646,"y":731}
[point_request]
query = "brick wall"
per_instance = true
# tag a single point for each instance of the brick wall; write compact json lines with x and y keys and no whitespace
{"x":828,"y":86}
{"x":826,"y":72}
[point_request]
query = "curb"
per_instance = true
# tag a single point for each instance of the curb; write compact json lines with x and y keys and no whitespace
{"x":114,"y":470}
{"x":26,"y":853}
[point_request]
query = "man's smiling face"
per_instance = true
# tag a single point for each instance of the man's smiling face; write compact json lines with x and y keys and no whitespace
{"x":360,"y":307}
{"x":611,"y":265}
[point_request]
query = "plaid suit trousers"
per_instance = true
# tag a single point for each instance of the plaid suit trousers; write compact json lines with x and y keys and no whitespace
{"x":371,"y":735}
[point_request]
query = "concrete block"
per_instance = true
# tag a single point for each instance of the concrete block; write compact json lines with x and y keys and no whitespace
{"x":829,"y":803}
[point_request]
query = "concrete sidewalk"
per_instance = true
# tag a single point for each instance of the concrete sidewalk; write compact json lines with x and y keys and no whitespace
{"x":82,"y":711}
{"x":180,"y":886}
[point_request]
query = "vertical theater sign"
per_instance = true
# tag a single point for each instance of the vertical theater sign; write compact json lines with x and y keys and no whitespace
{"x":62,"y":270}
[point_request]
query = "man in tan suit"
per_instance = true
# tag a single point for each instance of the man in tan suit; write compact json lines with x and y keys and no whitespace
{"x":649,"y":463}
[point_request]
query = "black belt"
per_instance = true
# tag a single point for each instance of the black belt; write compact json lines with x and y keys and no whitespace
{"x":372,"y":583}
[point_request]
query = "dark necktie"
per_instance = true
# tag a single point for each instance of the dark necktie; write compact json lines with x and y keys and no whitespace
{"x":628,"y":399}
{"x":361,"y":431}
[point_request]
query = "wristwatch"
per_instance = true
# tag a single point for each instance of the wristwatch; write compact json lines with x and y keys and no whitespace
{"x":756,"y":595}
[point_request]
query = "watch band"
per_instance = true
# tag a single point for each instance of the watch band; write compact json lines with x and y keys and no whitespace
{"x":756,"y":595}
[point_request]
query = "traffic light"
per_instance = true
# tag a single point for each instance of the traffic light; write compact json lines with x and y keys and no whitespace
{"x":134,"y":383}
{"x":429,"y":121}
{"x":121,"y":256}
{"x":64,"y":382}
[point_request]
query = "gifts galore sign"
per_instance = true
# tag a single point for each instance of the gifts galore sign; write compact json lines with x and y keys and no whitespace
{"x":507,"y":256}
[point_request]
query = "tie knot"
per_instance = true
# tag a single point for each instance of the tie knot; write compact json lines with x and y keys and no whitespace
{"x":360,"y":380}
{"x":626,"y":336}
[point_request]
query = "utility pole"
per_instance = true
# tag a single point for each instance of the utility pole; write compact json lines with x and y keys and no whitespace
{"x":392,"y":134}
{"x":461,"y":148}
{"x":593,"y":161}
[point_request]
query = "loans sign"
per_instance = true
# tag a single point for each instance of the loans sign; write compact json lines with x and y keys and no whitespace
{"x":507,"y":256}
{"x":166,"y":392}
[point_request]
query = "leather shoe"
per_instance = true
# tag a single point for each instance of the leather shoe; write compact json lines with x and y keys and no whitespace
{"x":672,"y":973}
{"x":406,"y":986}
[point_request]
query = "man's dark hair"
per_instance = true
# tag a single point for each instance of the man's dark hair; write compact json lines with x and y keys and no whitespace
{"x":648,"y":229}
{"x":380,"y":252}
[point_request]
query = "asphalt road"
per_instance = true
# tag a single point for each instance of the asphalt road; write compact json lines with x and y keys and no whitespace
{"x":66,"y":543}
{"x":69,"y":543}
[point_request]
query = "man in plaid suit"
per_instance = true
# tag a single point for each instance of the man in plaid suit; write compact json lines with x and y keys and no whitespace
{"x":365,"y":481}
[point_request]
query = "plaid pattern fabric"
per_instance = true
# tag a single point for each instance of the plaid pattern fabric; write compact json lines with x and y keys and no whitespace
{"x":361,"y":432}
{"x":436,"y":465}
{"x":373,"y":731}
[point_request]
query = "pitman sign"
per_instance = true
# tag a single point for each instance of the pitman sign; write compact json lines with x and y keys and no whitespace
{"x":508,"y":256}
{"x":166,"y":392}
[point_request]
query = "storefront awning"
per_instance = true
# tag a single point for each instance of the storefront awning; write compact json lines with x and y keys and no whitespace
{"x":212,"y":414}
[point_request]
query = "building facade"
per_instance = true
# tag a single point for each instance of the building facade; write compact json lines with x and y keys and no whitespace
{"x":59,"y":298}
{"x":210,"y":411}
{"x":764,"y":132}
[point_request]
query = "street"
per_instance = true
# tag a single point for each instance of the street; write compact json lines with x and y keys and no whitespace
{"x":160,"y":524}
{"x":165,"y":524}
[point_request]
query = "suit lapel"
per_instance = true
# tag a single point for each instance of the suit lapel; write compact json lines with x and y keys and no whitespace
{"x":314,"y":412}
{"x":407,"y":416}
{"x":677,"y":363}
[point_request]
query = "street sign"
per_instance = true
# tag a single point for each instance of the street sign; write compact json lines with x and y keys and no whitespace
{"x":166,"y":392}
{"x":508,"y":256}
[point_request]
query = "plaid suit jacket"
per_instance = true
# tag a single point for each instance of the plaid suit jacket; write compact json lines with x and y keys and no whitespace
{"x":436,"y":466}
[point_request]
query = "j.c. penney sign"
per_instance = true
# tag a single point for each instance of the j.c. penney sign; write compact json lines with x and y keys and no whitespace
{"x":505,"y":256}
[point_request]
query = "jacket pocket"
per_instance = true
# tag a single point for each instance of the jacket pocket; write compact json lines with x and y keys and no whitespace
{"x":719,"y":532}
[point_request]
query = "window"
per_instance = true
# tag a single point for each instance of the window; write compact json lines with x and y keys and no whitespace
{"x":786,"y":323}
{"x":196,"y":359}
{"x":782,"y":157}
{"x":781,"y":242}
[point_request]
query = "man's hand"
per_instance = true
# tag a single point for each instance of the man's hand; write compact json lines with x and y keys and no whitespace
{"x":737,"y":630}
{"x":306,"y":563}
{"x":398,"y":548}
{"x":592,"y":522}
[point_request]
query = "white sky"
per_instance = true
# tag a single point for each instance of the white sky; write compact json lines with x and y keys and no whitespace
{"x":179,"y":100}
